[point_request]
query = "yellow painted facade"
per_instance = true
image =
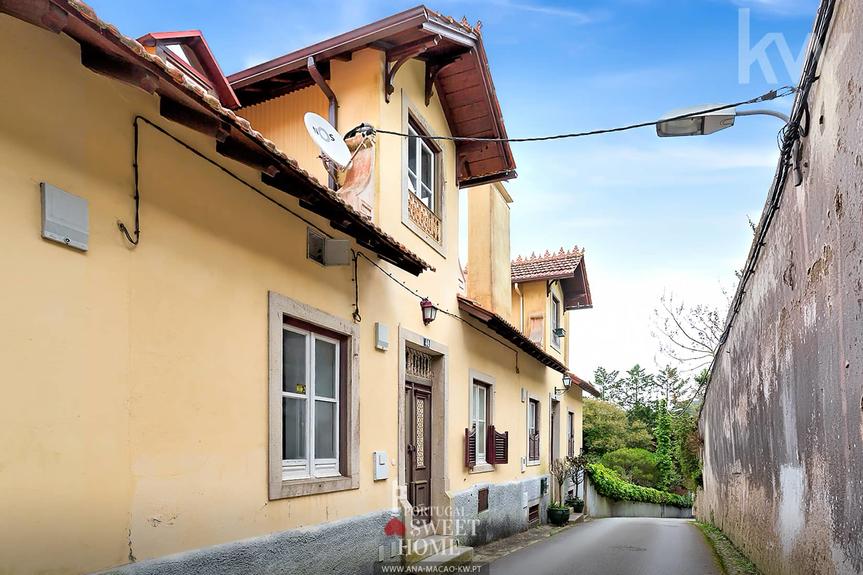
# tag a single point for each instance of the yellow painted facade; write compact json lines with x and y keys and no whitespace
{"x":135,"y":379}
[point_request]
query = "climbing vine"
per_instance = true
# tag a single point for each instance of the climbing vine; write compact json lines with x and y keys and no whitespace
{"x":662,"y":433}
{"x":609,"y":484}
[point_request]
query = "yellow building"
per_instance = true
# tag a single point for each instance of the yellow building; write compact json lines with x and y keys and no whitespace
{"x":216,"y":364}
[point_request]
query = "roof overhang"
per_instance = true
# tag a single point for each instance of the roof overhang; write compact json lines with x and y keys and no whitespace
{"x":584,"y":385}
{"x":503,"y":328}
{"x":570,"y":271}
{"x":210,"y":70}
{"x":456,"y":67}
{"x":106,"y":51}
{"x":576,"y":289}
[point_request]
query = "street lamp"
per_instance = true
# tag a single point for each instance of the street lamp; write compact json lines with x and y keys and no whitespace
{"x":706,"y":119}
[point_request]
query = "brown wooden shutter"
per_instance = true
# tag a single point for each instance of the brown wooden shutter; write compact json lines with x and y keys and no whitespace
{"x":470,"y":448}
{"x":536,"y":329}
{"x":497,"y":446}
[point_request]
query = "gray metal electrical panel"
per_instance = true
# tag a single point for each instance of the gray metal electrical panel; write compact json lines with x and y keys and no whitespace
{"x":65,"y":218}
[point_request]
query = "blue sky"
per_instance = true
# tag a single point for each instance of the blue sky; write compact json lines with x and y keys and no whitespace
{"x":654,"y":215}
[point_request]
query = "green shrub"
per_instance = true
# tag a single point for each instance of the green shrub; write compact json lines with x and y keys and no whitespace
{"x":609,"y":484}
{"x":634,"y":465}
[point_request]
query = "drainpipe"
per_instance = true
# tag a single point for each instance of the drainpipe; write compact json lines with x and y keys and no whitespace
{"x":332,"y":112}
{"x":520,"y":307}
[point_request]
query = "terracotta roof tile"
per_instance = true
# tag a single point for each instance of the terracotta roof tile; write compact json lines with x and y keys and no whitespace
{"x":549,"y":265}
{"x":111,"y":32}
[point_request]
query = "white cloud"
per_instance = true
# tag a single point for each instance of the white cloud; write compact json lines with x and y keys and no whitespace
{"x":780,"y":7}
{"x":579,"y":16}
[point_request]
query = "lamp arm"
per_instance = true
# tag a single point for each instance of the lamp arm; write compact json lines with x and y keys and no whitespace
{"x":764,"y":112}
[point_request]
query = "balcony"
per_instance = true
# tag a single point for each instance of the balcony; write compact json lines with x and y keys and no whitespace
{"x":423,"y":218}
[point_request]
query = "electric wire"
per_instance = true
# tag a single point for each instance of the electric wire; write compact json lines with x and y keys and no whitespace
{"x":766,"y":97}
{"x":442,"y":310}
{"x":134,"y":241}
{"x":789,"y":138}
{"x":189,"y":147}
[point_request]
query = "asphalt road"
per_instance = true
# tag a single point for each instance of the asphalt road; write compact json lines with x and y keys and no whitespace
{"x":617,"y":546}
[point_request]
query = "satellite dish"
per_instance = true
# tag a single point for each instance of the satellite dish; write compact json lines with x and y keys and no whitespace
{"x":328,"y":139}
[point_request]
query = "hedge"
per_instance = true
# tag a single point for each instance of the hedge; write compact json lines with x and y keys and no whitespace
{"x":609,"y":484}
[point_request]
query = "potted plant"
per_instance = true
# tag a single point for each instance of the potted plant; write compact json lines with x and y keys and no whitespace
{"x":576,"y":466}
{"x":558,"y":513}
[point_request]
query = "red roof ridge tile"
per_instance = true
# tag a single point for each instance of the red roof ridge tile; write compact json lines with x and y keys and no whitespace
{"x":562,"y":253}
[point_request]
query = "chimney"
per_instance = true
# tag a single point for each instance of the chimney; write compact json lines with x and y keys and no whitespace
{"x":489,"y":270}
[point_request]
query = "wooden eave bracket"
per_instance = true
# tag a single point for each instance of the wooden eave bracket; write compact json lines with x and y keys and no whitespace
{"x":42,"y":13}
{"x":198,"y":121}
{"x":397,"y":57}
{"x":101,"y":63}
{"x":433,"y":68}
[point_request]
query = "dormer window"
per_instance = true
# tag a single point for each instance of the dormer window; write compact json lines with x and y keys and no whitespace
{"x":421,"y":167}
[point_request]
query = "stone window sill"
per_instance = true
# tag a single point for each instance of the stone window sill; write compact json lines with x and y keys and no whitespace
{"x":315,"y":485}
{"x":532,"y":463}
{"x":482,"y":468}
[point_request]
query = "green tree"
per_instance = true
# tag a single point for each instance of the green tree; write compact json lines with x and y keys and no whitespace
{"x":635,"y":465}
{"x":674,"y":389}
{"x":606,"y":427}
{"x":686,"y":448}
{"x":637,"y":389}
{"x":664,"y":461}
{"x":604,"y":379}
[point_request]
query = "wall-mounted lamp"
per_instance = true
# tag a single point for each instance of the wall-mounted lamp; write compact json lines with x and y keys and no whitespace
{"x":559,"y":332}
{"x":429,"y":311}
{"x":567,"y":383}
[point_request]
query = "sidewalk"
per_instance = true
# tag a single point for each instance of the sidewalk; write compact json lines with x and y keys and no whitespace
{"x":493,"y":551}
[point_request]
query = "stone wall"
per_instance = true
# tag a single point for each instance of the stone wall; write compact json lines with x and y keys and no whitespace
{"x":781,"y":424}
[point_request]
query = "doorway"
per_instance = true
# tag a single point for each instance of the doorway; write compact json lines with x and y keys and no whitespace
{"x":418,"y":441}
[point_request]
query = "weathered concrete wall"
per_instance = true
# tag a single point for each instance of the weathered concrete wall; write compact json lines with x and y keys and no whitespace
{"x":349,"y":546}
{"x":598,"y":506}
{"x":507,"y":509}
{"x":782,"y":425}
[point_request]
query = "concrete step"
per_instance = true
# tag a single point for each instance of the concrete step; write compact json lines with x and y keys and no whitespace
{"x":457,"y":555}
{"x":418,"y":549}
{"x":576,"y":517}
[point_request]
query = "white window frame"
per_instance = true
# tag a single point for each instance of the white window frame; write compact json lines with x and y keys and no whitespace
{"x":313,"y":466}
{"x":478,"y":378}
{"x":295,"y":478}
{"x":413,"y":120}
{"x":556,"y":321}
{"x":536,"y":427}
{"x":420,"y":146}
{"x":480,"y":400}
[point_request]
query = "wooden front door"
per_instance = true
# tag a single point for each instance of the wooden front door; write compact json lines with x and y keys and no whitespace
{"x":418,"y":448}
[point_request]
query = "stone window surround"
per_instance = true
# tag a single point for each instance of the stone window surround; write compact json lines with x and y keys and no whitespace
{"x":412,"y":112}
{"x":489,"y":382}
{"x":440,"y":392}
{"x":280,"y":488}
